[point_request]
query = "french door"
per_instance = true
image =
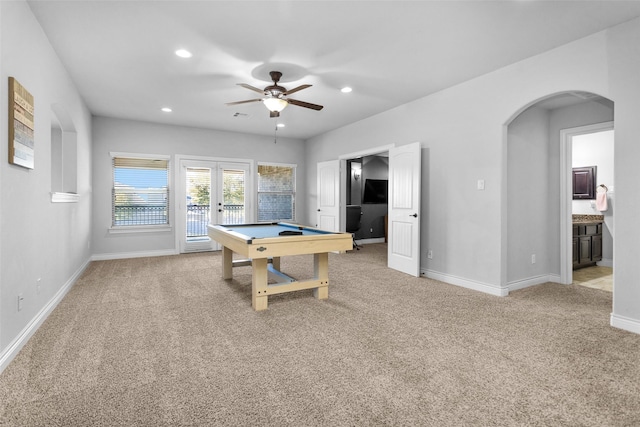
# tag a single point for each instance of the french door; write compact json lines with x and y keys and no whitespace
{"x":212,"y":192}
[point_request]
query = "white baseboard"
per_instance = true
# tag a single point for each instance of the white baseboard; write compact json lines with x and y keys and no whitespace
{"x":12,"y":350}
{"x":626,"y":323}
{"x":466,"y":283}
{"x":141,"y":254}
{"x":532,"y":281}
{"x":488,"y":288}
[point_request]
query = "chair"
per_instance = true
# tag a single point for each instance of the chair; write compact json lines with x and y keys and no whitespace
{"x":354,"y":212}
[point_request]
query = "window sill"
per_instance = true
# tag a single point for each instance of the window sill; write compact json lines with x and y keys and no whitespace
{"x":131,"y":229}
{"x":65,"y":197}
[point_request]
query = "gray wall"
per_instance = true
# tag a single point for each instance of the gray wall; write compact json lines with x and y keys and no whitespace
{"x":528,"y":197}
{"x":463,"y":131}
{"x":40,"y":239}
{"x":116,"y":135}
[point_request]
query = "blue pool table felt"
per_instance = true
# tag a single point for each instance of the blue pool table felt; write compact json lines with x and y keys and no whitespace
{"x":261,"y":231}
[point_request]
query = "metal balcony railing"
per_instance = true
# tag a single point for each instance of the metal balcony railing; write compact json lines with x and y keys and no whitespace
{"x":197,"y":216}
{"x":140,"y":215}
{"x":233,"y":214}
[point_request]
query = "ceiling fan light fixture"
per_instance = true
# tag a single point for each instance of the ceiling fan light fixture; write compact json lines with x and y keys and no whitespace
{"x":275,"y":104}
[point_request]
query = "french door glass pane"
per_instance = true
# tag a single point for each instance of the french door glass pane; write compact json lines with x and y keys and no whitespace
{"x":233,"y":196}
{"x":198,"y":202}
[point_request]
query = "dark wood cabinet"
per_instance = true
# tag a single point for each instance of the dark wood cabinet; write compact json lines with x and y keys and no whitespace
{"x":587,"y":244}
{"x":584,"y":183}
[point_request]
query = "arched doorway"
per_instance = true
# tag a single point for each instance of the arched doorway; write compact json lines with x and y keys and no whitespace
{"x":538,"y":229}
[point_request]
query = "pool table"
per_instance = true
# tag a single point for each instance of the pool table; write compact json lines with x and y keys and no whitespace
{"x":263,"y":245}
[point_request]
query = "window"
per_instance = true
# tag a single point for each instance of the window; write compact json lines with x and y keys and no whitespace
{"x":140,"y":191}
{"x":276,"y":192}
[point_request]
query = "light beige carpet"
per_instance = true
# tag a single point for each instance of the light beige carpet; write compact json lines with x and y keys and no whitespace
{"x":164,"y":341}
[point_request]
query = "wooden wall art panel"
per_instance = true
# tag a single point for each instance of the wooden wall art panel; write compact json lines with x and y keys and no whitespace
{"x":21,"y":128}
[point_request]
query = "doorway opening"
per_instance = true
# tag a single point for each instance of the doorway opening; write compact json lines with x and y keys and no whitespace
{"x":591,"y":215}
{"x":538,"y":234}
{"x":367,"y":189}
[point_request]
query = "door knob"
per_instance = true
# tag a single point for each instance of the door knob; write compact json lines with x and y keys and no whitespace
{"x":318,"y":210}
{"x":415,"y":215}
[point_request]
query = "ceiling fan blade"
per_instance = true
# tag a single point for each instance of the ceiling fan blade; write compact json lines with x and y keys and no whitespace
{"x":244,"y":102}
{"x":295,"y":89}
{"x":305,"y":104}
{"x":253,"y":88}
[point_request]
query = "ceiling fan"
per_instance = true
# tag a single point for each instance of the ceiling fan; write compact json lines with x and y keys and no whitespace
{"x":276,"y":97}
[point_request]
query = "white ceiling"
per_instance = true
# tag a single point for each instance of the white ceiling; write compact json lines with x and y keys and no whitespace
{"x":121,"y":53}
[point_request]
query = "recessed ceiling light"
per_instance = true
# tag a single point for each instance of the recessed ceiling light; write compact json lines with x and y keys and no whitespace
{"x":346,"y":89}
{"x":183,"y":53}
{"x":167,"y":109}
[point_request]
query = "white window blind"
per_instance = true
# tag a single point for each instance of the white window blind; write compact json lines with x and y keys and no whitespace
{"x":276,"y":192}
{"x":140,"y":191}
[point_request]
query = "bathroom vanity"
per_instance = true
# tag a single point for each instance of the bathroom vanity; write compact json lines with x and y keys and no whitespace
{"x":587,"y":240}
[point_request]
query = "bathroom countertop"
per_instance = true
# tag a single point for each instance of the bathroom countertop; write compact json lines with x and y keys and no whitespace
{"x":586,"y":219}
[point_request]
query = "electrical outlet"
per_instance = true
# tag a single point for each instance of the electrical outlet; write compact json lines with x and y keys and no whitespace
{"x":430,"y":254}
{"x":38,"y":284}
{"x":533,"y":258}
{"x":371,"y":230}
{"x":20,"y":301}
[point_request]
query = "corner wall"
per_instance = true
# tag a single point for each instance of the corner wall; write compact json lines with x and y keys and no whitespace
{"x":462,"y":128}
{"x":623,"y":46}
{"x":127,"y":136}
{"x":40,"y":239}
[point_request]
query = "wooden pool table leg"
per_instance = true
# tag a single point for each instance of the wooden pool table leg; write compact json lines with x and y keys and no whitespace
{"x":321,"y":272}
{"x":227,"y":263}
{"x":259,"y":277}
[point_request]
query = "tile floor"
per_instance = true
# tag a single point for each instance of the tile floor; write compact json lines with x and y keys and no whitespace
{"x":594,"y":277}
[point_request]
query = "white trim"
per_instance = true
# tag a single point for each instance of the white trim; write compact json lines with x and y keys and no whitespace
{"x":126,"y":229}
{"x":23,"y":337}
{"x":626,"y":323}
{"x":465,"y":283}
{"x":140,"y":254}
{"x":204,"y":245}
{"x":114,"y":154}
{"x":533,"y":281}
{"x":285,"y":165}
{"x":65,"y":197}
{"x":367,"y":152}
{"x":181,"y":157}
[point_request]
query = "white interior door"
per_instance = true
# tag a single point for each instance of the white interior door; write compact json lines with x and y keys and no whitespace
{"x":404,"y":209}
{"x":328,"y":214}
